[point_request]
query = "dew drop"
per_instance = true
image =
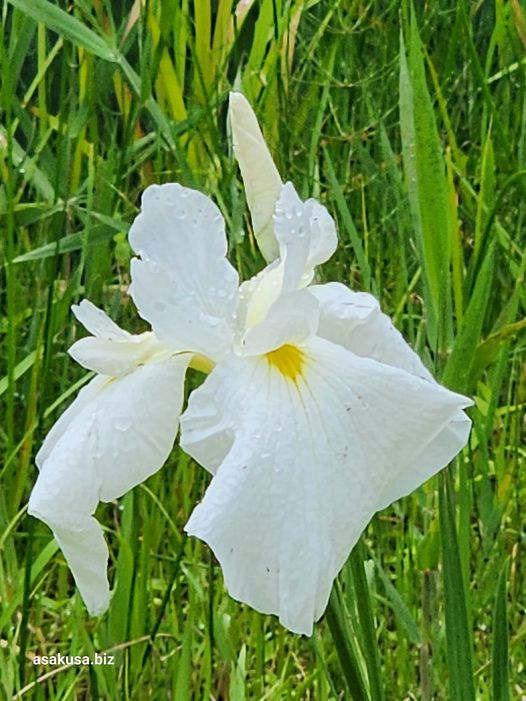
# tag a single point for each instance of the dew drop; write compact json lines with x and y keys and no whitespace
{"x":122,"y":423}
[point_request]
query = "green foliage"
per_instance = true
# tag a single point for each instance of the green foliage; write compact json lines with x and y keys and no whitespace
{"x":409,"y":124}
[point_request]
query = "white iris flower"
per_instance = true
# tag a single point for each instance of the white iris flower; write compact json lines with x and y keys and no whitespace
{"x":315,"y":415}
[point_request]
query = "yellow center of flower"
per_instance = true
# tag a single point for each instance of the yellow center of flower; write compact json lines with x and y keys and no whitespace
{"x":288,"y":360}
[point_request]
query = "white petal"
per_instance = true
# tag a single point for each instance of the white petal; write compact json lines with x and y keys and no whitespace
{"x":97,"y":322}
{"x":118,"y":432}
{"x":183,"y":284}
{"x":306,"y":234}
{"x":310,"y":462}
{"x":260,"y":175}
{"x":257,"y":295}
{"x":307,"y":237}
{"x":292,"y":226}
{"x":115,"y":357}
{"x":354,"y":321}
{"x":323,"y":238}
{"x":440,"y":451}
{"x":65,"y":497}
{"x":84,"y":397}
{"x":290,"y":320}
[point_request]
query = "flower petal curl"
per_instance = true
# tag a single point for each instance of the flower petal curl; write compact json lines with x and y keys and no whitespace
{"x":307,"y":237}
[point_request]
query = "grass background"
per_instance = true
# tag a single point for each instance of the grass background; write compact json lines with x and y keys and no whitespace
{"x":410,"y":125}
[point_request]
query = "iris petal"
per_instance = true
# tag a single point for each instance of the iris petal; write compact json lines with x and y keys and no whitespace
{"x":307,"y":236}
{"x":117,"y":433}
{"x":354,"y":321}
{"x":97,"y":322}
{"x":115,"y":357}
{"x":183,"y":284}
{"x":260,"y":176}
{"x":307,"y":462}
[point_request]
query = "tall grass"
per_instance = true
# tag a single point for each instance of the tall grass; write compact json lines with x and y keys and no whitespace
{"x":409,"y":123}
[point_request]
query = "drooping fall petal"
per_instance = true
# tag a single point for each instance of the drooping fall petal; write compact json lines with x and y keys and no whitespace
{"x":117,"y":433}
{"x":314,"y":440}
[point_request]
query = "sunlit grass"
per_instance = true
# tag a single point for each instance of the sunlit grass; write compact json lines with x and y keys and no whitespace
{"x":421,"y":161}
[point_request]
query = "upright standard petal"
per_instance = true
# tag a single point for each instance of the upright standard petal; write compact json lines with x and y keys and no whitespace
{"x":117,"y":433}
{"x":279,"y":217}
{"x":315,"y":440}
{"x":183,"y":284}
{"x":307,"y":236}
{"x":260,"y":175}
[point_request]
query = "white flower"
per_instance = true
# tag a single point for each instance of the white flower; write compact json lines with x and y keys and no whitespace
{"x":315,"y":415}
{"x":122,"y":426}
{"x":319,"y":417}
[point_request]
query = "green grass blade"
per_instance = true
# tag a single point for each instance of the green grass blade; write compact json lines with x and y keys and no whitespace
{"x":426,"y":184}
{"x":458,"y":368}
{"x":486,"y":199}
{"x":402,"y":613}
{"x":68,"y":26}
{"x":20,"y":368}
{"x":343,"y":643}
{"x":458,"y":635}
{"x":39,"y":563}
{"x":348,"y":223}
{"x":500,"y":657}
{"x":365,"y":615}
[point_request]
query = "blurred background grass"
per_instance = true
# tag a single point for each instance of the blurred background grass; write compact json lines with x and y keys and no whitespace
{"x":411,"y":126}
